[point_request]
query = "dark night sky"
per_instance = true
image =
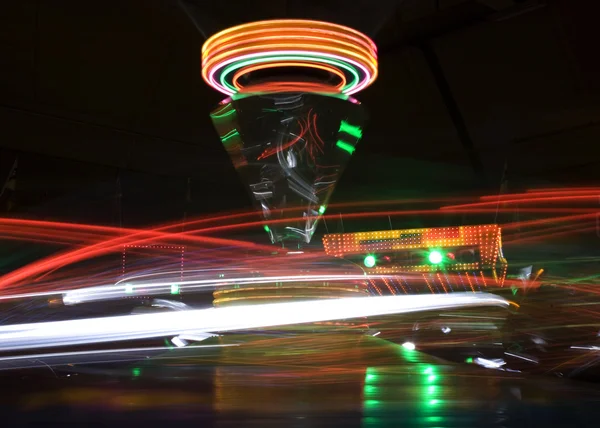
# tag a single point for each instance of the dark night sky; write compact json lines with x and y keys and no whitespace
{"x":105,"y":97}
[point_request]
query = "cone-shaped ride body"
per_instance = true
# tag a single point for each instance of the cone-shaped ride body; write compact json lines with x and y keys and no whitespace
{"x":290,"y":150}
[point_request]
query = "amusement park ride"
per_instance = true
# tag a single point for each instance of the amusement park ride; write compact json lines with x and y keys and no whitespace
{"x":290,"y":126}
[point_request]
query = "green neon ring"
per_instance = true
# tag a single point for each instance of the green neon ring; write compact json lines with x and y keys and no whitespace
{"x":237,"y":65}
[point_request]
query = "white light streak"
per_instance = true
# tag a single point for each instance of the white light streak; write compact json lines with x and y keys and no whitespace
{"x":587,"y":348}
{"x":522,"y":357}
{"x":88,"y":357}
{"x":179,"y":342}
{"x":495,"y":363}
{"x":180,"y":323}
{"x":109,"y":292}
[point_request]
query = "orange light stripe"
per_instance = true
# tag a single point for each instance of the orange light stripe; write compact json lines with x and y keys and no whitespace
{"x":300,"y":35}
{"x":250,"y":69}
{"x":358,"y":56}
{"x":290,"y":23}
{"x":291,"y":86}
{"x":527,"y":200}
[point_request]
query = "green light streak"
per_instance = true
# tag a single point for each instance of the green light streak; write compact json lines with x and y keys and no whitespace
{"x":372,"y":403}
{"x":371,"y":375}
{"x":219,"y":116}
{"x":322,"y":209}
{"x":352,"y":130}
{"x":267,"y":228}
{"x":230,"y":135}
{"x":370,"y":390}
{"x":345,"y":146}
{"x":269,"y":57}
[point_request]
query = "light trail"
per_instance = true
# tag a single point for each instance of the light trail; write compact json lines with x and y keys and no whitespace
{"x":107,"y":292}
{"x":98,"y":356}
{"x":170,"y":324}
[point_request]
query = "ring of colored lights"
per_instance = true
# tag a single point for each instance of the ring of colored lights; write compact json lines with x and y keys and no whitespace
{"x":346,"y":54}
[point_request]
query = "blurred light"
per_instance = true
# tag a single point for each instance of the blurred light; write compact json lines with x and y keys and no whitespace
{"x":352,"y":130}
{"x":267,"y":228}
{"x":446,"y":330}
{"x":451,"y":256}
{"x":409,"y":345}
{"x":490,"y":364}
{"x":522,"y":357}
{"x":322,"y":209}
{"x":128,"y":288}
{"x":371,"y":375}
{"x":435,"y":257}
{"x":587,"y":348}
{"x":210,"y":321}
{"x":369,"y":261}
{"x":345,"y":146}
{"x":469,"y":360}
{"x":136,"y":371}
{"x":180,"y":343}
{"x":377,"y":334}
{"x":174,"y":288}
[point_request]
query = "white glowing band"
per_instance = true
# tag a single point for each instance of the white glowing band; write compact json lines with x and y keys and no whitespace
{"x":92,"y":294}
{"x":169,"y":324}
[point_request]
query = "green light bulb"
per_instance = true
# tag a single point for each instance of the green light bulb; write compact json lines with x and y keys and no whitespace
{"x":369,"y":261}
{"x":435,"y":257}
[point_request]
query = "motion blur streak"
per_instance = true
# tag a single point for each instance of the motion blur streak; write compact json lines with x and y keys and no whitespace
{"x":109,"y":329}
{"x":91,"y":294}
{"x":95,"y":356}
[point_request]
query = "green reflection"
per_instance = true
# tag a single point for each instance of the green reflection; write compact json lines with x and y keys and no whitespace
{"x":387,"y":393}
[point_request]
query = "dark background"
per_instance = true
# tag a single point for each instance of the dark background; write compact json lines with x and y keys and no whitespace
{"x":103,"y":104}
